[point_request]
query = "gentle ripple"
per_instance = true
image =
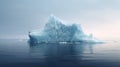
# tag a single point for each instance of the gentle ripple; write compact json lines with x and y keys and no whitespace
{"x":19,"y":53}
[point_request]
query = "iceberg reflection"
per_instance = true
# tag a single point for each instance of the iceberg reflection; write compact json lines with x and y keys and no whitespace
{"x":60,"y":54}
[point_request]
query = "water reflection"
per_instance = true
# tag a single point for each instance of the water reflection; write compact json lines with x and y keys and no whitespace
{"x":15,"y":53}
{"x":60,"y":54}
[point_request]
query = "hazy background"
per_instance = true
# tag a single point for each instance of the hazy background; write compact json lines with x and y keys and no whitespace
{"x":100,"y":17}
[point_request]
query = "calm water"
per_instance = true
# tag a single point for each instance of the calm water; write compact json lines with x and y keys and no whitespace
{"x":19,"y":53}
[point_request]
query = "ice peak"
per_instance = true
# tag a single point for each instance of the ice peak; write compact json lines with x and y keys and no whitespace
{"x":54,"y":19}
{"x":52,"y":16}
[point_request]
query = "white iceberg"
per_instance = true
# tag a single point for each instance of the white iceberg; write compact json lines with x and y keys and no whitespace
{"x":55,"y":31}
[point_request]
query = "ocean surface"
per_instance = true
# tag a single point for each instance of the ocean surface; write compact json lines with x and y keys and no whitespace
{"x":20,"y":53}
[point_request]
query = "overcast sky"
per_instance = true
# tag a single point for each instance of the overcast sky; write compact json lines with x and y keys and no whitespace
{"x":100,"y":17}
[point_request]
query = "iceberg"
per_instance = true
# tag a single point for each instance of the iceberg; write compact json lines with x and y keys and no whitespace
{"x":55,"y":31}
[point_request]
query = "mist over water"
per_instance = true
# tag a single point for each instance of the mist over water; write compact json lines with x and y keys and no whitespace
{"x":17,"y":53}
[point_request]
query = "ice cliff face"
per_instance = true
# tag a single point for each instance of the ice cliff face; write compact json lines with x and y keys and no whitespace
{"x":55,"y":32}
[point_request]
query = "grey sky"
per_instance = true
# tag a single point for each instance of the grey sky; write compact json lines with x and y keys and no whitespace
{"x":100,"y":17}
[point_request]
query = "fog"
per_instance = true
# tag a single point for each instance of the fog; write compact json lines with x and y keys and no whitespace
{"x":100,"y":17}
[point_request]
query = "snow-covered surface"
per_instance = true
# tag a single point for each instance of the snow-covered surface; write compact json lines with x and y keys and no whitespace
{"x":57,"y":32}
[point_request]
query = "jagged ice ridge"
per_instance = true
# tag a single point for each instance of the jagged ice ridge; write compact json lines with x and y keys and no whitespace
{"x":55,"y":31}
